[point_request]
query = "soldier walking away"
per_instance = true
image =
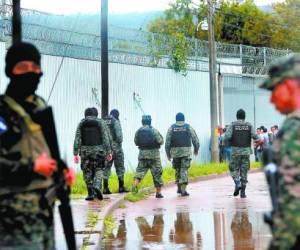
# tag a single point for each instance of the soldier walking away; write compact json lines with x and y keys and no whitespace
{"x":149,"y":140}
{"x":239,"y":134}
{"x":116,"y":136}
{"x":179,"y":140}
{"x":27,"y":169}
{"x":284,"y":82}
{"x":92,"y":145}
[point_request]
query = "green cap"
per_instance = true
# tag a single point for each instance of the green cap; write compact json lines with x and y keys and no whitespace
{"x":285,"y":67}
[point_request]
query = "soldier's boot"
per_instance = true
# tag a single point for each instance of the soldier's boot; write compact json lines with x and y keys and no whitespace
{"x":158,"y":193}
{"x":98,"y":194}
{"x":90,"y":196}
{"x":122,"y":189}
{"x":243,"y":193}
{"x":237,"y":188}
{"x":178,"y":188}
{"x":105,"y":187}
{"x":183,"y":190}
{"x":134,"y":188}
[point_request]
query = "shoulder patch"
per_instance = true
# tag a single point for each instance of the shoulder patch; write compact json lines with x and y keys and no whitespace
{"x":3,"y":126}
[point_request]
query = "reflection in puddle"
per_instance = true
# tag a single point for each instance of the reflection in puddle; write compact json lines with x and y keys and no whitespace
{"x":183,"y":230}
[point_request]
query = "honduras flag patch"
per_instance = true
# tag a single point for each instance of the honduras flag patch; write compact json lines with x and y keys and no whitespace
{"x":3,"y":126}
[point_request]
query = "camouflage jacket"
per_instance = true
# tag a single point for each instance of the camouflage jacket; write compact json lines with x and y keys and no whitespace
{"x":102,"y":150}
{"x":150,"y":153}
{"x":117,"y":139}
{"x":286,"y":154}
{"x":21,"y":141}
{"x":176,"y":152}
{"x":239,"y":150}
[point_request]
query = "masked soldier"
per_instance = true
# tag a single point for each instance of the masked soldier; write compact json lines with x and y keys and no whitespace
{"x":116,"y":136}
{"x":179,"y":140}
{"x":92,"y":144}
{"x":239,"y":134}
{"x":149,"y":140}
{"x":26,"y":166}
{"x":284,"y":82}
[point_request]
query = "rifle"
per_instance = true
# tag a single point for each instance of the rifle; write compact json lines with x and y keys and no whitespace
{"x":271,"y":172}
{"x":60,"y":189}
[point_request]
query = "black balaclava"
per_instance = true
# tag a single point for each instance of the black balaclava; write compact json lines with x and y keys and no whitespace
{"x":23,"y":85}
{"x":115,"y":113}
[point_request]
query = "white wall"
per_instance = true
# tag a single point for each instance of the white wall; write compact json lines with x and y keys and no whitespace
{"x":162,"y":91}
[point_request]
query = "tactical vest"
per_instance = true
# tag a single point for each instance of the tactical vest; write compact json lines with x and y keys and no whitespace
{"x":181,"y":136}
{"x":30,"y":146}
{"x":110,"y":122}
{"x":91,"y":133}
{"x":241,"y":135}
{"x":146,"y":139}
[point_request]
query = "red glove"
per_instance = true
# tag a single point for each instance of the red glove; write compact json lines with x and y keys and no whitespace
{"x":44,"y":165}
{"x":76,"y":159}
{"x":70,"y":176}
{"x":109,"y":157}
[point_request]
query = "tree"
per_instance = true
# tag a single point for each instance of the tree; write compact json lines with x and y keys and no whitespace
{"x":235,"y":23}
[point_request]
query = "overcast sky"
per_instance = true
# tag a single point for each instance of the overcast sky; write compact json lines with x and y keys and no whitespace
{"x":115,"y":6}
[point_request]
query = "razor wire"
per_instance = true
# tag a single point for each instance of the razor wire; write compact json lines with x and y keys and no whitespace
{"x":135,"y":47}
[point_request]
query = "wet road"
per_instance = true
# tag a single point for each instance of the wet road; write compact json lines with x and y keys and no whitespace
{"x":210,"y":218}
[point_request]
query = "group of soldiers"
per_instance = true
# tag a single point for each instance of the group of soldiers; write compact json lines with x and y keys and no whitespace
{"x":28,"y":168}
{"x":99,"y":144}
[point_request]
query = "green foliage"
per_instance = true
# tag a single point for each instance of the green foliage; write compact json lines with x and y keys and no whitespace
{"x":234,"y":22}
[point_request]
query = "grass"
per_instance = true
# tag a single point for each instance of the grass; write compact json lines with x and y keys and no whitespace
{"x":109,"y":225}
{"x":79,"y":189}
{"x":134,"y":197}
{"x":122,"y":206}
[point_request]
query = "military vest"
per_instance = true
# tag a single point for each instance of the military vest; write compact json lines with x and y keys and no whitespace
{"x":241,"y":135}
{"x":31,"y":144}
{"x":181,"y":136}
{"x":110,"y":122}
{"x":146,"y":139}
{"x":91,"y":133}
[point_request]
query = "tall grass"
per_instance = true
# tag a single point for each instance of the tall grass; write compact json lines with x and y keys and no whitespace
{"x":79,"y":189}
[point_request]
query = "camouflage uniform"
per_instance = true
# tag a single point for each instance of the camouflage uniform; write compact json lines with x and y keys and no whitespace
{"x":116,"y":137}
{"x":150,"y":159}
{"x":240,"y":156}
{"x":92,"y":157}
{"x":181,"y":155}
{"x":26,"y":217}
{"x":286,"y":227}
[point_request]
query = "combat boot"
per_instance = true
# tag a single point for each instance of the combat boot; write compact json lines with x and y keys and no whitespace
{"x":178,"y":189}
{"x":122,"y":189}
{"x":105,"y":187}
{"x":98,"y":194}
{"x":90,"y":196}
{"x":158,"y":193}
{"x":237,"y":188}
{"x":243,"y":193}
{"x":183,"y":190}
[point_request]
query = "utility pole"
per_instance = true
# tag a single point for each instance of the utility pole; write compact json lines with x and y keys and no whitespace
{"x":16,"y":22}
{"x":104,"y":58}
{"x":213,"y":84}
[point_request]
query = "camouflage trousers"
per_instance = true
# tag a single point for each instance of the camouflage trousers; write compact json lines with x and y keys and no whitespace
{"x":239,"y":166}
{"x":118,"y":161}
{"x":286,"y":226}
{"x":181,"y":166}
{"x":26,"y":222}
{"x":155,"y":167}
{"x":92,"y":169}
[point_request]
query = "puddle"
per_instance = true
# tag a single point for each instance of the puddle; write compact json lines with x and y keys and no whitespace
{"x":191,"y":230}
